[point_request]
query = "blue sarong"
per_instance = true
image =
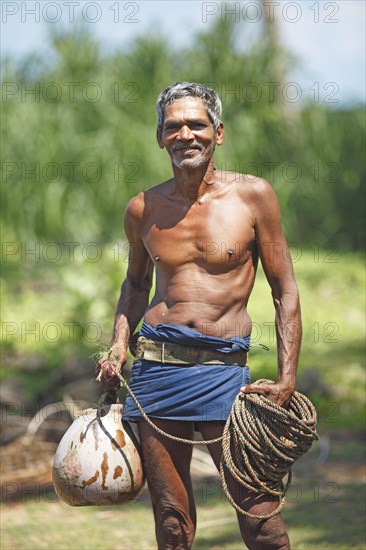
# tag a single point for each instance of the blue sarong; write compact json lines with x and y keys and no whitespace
{"x":198,"y":393}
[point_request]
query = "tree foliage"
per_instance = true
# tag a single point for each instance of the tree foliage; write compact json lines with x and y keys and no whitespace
{"x":79,"y":147}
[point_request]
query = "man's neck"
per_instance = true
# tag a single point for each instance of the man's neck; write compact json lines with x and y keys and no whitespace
{"x":192,"y":183}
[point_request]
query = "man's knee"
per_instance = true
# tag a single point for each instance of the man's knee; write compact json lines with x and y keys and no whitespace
{"x":266,"y":535}
{"x":271,"y":541}
{"x":175,"y":529}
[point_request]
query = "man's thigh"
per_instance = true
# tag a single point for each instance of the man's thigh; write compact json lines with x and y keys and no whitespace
{"x":212,"y":430}
{"x":167,"y":462}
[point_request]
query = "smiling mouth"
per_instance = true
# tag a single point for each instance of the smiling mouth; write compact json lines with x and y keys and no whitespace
{"x":187,"y":149}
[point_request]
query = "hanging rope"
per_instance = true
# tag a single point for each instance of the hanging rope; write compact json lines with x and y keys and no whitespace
{"x":260,"y":442}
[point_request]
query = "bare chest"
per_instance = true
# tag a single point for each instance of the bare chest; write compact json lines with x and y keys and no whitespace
{"x":216,"y":233}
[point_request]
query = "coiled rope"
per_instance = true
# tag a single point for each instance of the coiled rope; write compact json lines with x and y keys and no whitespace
{"x":260,"y":442}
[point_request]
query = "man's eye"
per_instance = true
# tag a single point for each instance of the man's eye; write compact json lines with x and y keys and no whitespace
{"x":171,"y":127}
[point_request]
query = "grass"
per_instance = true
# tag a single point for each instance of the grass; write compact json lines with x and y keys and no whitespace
{"x":62,"y":310}
{"x":323,"y":511}
{"x":331,"y":367}
{"x":326,"y":502}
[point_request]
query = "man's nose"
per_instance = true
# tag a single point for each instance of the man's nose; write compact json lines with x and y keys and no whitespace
{"x":185,"y":133}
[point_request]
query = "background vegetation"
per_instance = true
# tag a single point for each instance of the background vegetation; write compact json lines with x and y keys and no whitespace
{"x":79,"y":147}
{"x":78,"y":141}
{"x":88,"y":134}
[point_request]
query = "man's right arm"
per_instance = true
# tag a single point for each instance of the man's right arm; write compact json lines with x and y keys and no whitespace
{"x":135,"y":290}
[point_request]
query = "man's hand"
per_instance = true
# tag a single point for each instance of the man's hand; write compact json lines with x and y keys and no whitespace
{"x":277,"y":393}
{"x":108,"y":367}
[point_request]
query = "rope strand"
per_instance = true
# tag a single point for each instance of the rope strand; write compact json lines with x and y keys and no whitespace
{"x":260,"y":442}
{"x":159,"y":430}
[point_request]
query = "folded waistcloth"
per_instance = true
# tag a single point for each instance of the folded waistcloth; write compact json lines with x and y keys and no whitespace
{"x":198,"y":393}
{"x":187,"y":336}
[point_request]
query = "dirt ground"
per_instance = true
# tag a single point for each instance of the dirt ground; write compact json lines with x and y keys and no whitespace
{"x":324,"y":509}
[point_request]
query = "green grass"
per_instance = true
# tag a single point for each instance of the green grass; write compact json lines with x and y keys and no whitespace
{"x":331,"y":367}
{"x":320,"y":514}
{"x":71,"y":306}
{"x":328,"y":514}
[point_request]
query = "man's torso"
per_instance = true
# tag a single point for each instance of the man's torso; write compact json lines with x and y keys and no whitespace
{"x":204,"y":254}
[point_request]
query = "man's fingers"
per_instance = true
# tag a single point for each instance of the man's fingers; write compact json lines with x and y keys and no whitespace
{"x":108,"y":371}
{"x":254,"y":388}
{"x":267,"y":390}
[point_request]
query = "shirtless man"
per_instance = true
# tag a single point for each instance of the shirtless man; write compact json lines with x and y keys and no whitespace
{"x":203,"y":231}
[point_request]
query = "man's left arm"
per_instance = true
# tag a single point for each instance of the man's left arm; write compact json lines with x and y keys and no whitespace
{"x":277,"y":265}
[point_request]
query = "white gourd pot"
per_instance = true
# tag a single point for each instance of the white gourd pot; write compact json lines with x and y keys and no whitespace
{"x":98,"y":460}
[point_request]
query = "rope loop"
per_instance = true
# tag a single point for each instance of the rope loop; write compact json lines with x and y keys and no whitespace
{"x":260,"y":442}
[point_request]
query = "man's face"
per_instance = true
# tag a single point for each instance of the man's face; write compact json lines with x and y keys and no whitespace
{"x":188,"y":134}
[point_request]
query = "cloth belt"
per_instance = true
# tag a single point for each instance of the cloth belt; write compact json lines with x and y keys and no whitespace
{"x":178,"y":354}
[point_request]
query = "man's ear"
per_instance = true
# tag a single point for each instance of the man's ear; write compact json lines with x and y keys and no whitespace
{"x":220,"y":134}
{"x":158,"y":138}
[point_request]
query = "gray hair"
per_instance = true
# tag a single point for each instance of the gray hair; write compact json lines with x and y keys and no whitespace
{"x":190,"y":89}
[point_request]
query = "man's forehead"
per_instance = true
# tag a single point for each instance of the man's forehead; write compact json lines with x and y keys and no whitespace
{"x":186,"y":107}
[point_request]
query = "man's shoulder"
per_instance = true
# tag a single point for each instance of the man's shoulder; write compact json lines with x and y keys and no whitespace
{"x":136,"y":205}
{"x":154,"y":191}
{"x":159,"y":189}
{"x":248,"y":185}
{"x":143,"y":200}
